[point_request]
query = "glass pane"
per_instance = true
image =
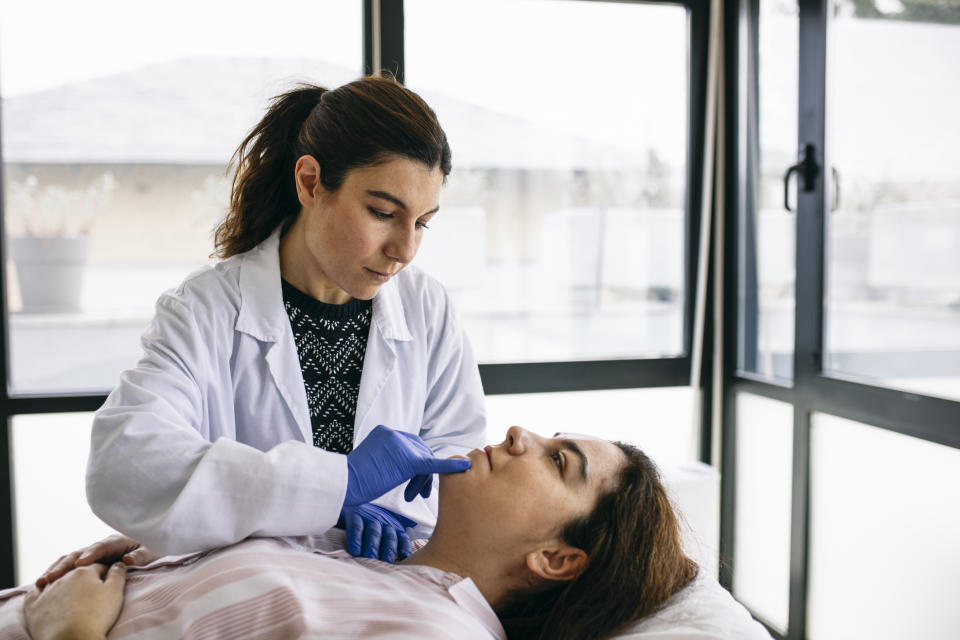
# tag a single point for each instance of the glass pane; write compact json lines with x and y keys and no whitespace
{"x":49,"y":460}
{"x":893,"y":262}
{"x":768,"y":233}
{"x":115,"y":140}
{"x":562,"y":232}
{"x":660,"y":421}
{"x":884,"y":526}
{"x":761,"y":567}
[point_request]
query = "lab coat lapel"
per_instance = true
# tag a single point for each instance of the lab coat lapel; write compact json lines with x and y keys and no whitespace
{"x":388,"y":325}
{"x":263,"y":316}
{"x":284,"y":363}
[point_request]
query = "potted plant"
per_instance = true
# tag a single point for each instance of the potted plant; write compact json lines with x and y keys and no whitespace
{"x":49,"y":231}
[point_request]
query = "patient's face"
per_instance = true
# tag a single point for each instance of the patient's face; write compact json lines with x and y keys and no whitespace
{"x":527,"y":488}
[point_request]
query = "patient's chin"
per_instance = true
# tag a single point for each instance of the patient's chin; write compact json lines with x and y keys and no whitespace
{"x":453,"y":485}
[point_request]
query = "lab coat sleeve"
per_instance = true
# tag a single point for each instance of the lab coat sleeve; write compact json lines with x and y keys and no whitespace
{"x":154,"y":475}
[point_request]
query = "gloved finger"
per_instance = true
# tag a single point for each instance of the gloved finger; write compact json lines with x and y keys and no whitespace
{"x":421,"y":485}
{"x":444,"y":465}
{"x":427,"y":487}
{"x":404,"y":548}
{"x":353,"y":525}
{"x":371,"y":539}
{"x":388,"y":545}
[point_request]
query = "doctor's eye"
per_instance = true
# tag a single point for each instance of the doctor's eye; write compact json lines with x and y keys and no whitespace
{"x":380,"y":215}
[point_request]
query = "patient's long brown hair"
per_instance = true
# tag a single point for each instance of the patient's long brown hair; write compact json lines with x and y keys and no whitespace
{"x":357,"y":125}
{"x":635,"y":563}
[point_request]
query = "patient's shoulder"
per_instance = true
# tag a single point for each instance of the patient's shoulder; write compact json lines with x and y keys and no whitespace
{"x":703,"y":610}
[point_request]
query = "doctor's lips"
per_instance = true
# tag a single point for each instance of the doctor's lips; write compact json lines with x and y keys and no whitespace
{"x":382,"y":276}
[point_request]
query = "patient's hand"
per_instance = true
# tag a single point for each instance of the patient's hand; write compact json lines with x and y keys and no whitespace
{"x":81,"y":606}
{"x":107,"y":551}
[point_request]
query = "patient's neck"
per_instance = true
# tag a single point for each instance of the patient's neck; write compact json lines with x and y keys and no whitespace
{"x":493,"y":576}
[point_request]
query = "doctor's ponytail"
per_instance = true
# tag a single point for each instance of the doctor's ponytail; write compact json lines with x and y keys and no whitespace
{"x":357,"y":125}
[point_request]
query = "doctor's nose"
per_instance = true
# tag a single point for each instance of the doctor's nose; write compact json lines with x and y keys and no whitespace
{"x":403,"y":245}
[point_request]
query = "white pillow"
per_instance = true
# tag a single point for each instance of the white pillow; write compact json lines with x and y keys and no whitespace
{"x":703,"y":610}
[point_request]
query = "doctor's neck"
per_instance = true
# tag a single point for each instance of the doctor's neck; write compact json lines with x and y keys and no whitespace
{"x":299,"y":269}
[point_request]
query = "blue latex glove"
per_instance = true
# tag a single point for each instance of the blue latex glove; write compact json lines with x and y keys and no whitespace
{"x":375,"y":532}
{"x":388,"y":458}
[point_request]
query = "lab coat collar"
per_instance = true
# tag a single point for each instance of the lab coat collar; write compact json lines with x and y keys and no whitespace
{"x":262,"y":314}
{"x":388,"y":313}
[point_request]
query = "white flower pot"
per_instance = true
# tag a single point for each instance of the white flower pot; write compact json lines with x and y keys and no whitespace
{"x":50,"y":272}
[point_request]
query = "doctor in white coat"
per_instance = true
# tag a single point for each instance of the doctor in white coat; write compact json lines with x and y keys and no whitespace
{"x":219,"y":432}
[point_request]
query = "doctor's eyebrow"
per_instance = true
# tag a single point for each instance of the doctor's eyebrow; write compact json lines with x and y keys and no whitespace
{"x":385,"y":195}
{"x":573,"y":446}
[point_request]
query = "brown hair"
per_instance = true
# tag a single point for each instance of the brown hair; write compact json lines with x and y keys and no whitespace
{"x":357,"y":125}
{"x":634,"y":564}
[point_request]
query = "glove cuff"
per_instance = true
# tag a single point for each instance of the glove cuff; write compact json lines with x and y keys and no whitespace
{"x":351,"y":499}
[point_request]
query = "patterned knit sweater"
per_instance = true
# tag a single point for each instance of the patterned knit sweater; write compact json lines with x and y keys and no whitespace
{"x":331,"y":341}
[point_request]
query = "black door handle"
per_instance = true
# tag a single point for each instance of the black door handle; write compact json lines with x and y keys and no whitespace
{"x":807,"y":170}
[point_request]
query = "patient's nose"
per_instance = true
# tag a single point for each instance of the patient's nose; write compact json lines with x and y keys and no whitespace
{"x":518,"y":440}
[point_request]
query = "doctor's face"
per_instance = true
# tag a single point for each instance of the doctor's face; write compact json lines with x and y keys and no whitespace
{"x":524,"y":490}
{"x":365,"y":232}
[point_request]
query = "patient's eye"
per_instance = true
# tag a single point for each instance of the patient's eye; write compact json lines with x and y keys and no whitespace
{"x":557,"y":458}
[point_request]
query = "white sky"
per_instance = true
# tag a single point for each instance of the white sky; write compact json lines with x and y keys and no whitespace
{"x":620,"y":70}
{"x":46,"y":43}
{"x":610,"y":72}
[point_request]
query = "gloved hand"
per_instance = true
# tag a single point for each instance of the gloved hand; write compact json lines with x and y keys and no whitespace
{"x":375,"y":532}
{"x":388,"y":458}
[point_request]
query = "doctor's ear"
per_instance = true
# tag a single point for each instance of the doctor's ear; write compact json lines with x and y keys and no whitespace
{"x":557,"y":561}
{"x":307,"y":175}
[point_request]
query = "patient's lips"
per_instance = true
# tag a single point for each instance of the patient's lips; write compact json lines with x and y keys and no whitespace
{"x":487,"y":450}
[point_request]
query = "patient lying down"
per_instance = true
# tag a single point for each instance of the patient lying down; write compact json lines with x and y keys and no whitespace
{"x":540,"y":538}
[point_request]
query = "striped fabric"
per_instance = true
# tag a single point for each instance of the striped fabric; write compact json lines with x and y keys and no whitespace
{"x":288,"y":588}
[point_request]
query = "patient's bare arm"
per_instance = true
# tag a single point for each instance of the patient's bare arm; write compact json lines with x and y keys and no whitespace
{"x":82,"y":605}
{"x":107,"y":551}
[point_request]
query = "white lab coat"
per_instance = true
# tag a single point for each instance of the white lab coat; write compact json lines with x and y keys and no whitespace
{"x":208,"y":439}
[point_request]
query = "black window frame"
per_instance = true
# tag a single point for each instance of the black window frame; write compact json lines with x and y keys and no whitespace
{"x":383,"y":36}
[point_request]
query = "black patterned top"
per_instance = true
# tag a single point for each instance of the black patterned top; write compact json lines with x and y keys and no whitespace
{"x":331,"y":341}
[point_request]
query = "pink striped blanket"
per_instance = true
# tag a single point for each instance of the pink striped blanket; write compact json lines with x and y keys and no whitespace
{"x":287,"y":588}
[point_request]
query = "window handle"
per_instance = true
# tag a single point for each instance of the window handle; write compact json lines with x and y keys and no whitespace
{"x":836,"y":188}
{"x":807,"y":170}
